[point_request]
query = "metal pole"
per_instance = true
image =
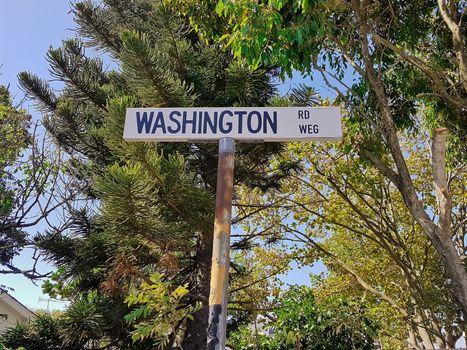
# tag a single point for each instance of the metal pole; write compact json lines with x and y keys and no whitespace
{"x":221,"y":247}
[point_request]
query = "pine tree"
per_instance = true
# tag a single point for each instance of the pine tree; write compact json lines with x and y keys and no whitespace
{"x":156,"y":202}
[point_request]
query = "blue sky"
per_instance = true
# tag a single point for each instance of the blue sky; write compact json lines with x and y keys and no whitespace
{"x":28,"y":28}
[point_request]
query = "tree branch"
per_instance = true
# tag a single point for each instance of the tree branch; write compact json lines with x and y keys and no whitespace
{"x":440,"y":180}
{"x":455,"y":26}
{"x":435,"y":77}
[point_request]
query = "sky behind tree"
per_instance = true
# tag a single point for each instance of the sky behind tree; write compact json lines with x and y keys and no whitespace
{"x":28,"y":28}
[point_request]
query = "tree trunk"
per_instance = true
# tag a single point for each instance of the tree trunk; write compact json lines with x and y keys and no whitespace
{"x":421,"y":329}
{"x":438,"y":335}
{"x":426,"y":341}
{"x":456,"y":28}
{"x":452,"y":339}
{"x":195,"y":335}
{"x":452,"y":261}
{"x":412,"y":343}
{"x":456,"y":270}
{"x":439,"y":234}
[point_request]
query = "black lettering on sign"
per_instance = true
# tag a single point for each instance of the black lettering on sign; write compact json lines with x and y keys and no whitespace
{"x":240,"y":115}
{"x":225,"y":127}
{"x":173,"y":117}
{"x":303,"y":114}
{"x":143,"y":122}
{"x":159,"y":123}
{"x":309,"y":129}
{"x":254,"y":122}
{"x":186,"y":120}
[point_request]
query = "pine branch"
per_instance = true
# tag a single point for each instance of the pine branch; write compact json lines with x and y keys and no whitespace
{"x":81,"y":75}
{"x":151,"y":74}
{"x":39,"y":91}
{"x":304,"y":95}
{"x":93,"y":24}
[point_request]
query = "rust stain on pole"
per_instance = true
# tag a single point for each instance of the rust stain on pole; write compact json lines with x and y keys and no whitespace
{"x":221,"y":247}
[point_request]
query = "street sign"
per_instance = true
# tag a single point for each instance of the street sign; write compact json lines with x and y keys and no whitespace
{"x":228,"y":125}
{"x":269,"y":124}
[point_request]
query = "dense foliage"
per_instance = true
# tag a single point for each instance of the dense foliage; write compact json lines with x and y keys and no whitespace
{"x":344,"y":213}
{"x":299,"y":322}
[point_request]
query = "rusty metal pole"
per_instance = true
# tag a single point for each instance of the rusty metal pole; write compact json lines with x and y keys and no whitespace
{"x":216,"y":332}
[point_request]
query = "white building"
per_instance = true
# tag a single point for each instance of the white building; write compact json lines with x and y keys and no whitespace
{"x":12,"y":311}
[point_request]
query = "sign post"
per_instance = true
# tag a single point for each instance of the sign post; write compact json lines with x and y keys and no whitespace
{"x":229,"y":125}
{"x":221,"y":246}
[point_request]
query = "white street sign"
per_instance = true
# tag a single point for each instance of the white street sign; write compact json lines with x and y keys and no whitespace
{"x":250,"y":124}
